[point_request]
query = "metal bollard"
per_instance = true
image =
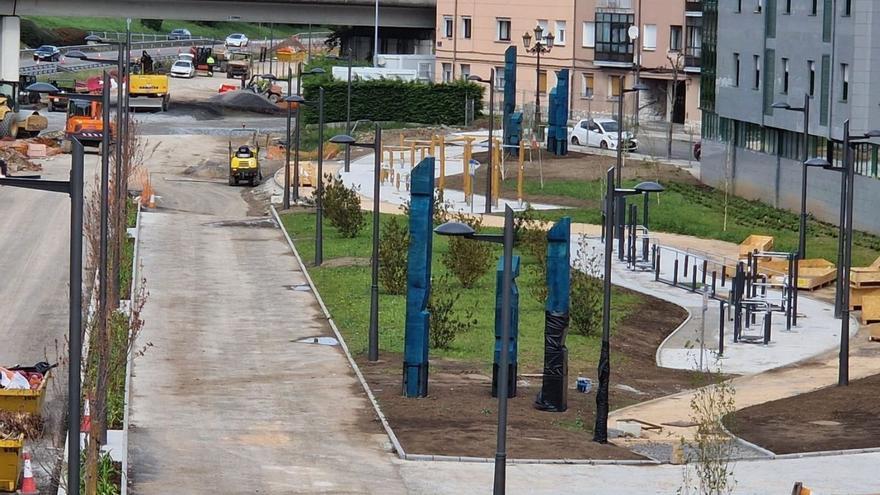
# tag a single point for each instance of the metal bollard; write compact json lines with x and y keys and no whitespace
{"x":694,"y":277}
{"x":675,"y":273}
{"x":714,"y":278}
{"x":723,"y":275}
{"x":656,"y":252}
{"x":686,"y":265}
{"x":721,"y":330}
{"x":705,"y":267}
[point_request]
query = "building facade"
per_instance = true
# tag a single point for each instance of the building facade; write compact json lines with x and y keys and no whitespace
{"x":761,"y":52}
{"x":594,"y":39}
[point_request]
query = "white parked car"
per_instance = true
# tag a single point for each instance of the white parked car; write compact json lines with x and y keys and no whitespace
{"x":236,"y":39}
{"x":601,"y":133}
{"x":183,"y":68}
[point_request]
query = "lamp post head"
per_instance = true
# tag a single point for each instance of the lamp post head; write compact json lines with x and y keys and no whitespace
{"x":527,"y":40}
{"x":314,"y":72}
{"x":75,"y":54}
{"x":549,"y":40}
{"x":639,"y":87}
{"x":649,"y":187}
{"x":539,"y":33}
{"x":817,"y":162}
{"x":94,"y":38}
{"x":873,"y":133}
{"x":781,"y":105}
{"x":455,"y":229}
{"x":476,"y":78}
{"x":294,"y":99}
{"x":343,"y":139}
{"x":42,"y":87}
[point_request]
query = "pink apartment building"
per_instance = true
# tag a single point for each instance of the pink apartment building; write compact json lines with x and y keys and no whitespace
{"x":593,"y":40}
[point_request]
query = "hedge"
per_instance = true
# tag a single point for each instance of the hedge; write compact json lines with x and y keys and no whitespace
{"x":392,"y":100}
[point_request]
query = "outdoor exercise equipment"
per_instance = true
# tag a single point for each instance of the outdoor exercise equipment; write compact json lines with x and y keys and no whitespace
{"x":514,"y":326}
{"x":418,"y":279}
{"x":553,"y":395}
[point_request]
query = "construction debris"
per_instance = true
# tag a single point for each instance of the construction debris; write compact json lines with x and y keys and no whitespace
{"x":17,"y":152}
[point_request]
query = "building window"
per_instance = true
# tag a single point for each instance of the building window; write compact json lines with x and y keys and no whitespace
{"x":544,"y":26}
{"x":675,"y":38}
{"x":589,"y":36}
{"x":587,"y":85}
{"x":615,"y":86}
{"x":757,"y":82}
{"x":465,"y":71}
{"x":693,"y":48}
{"x":736,"y":69}
{"x":542,"y":82}
{"x":612,"y":41}
{"x":447,"y":27}
{"x":499,"y":78}
{"x":785,"y":76}
{"x":739,"y":5}
{"x":447,"y":73}
{"x":502,"y":29}
{"x":649,"y":41}
{"x":814,"y":7}
{"x":759,"y":6}
{"x":466,"y":28}
{"x":811,"y":66}
{"x":787,"y":7}
{"x":844,"y":79}
{"x":560,"y":33}
{"x":847,"y":7}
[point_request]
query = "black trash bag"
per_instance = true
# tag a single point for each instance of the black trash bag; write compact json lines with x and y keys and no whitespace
{"x":553,"y":396}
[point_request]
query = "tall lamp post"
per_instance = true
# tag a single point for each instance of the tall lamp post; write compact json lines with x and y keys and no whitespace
{"x":319,"y":196}
{"x":614,"y":197}
{"x":619,"y":167}
{"x":543,"y":44}
{"x":491,"y":83}
{"x":846,"y":233}
{"x":74,"y":188}
{"x":376,"y":146}
{"x":289,"y":99}
{"x":507,"y":239}
{"x":348,"y":59}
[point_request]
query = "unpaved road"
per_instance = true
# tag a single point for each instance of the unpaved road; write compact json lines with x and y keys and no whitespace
{"x":227,"y":401}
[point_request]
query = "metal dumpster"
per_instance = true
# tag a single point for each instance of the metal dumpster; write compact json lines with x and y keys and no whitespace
{"x":10,"y":462}
{"x":25,"y":401}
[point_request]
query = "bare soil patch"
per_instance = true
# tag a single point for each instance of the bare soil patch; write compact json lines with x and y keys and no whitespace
{"x":832,"y":418}
{"x":574,"y":166}
{"x":459,"y":415}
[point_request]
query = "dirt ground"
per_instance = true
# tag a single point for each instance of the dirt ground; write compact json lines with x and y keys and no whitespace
{"x":832,"y":418}
{"x":575,"y":166}
{"x":459,"y":415}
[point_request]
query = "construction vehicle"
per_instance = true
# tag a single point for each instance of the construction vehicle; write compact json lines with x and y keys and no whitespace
{"x":84,"y":122}
{"x":200,"y":60}
{"x":13,"y":122}
{"x":264,"y":87}
{"x":26,"y":97}
{"x":244,"y":161}
{"x":238,"y":64}
{"x":148,"y":89}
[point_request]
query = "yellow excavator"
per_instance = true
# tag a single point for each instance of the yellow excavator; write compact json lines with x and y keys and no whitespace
{"x":244,"y":161}
{"x":14,"y":123}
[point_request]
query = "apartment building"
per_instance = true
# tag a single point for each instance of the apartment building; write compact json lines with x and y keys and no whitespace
{"x":594,"y":39}
{"x":761,"y":52}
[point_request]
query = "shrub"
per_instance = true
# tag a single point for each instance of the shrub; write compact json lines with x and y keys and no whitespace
{"x":387,"y":100}
{"x":585,"y":305}
{"x":154,"y":24}
{"x":342,"y":207}
{"x":445,"y":324}
{"x":532,"y":238}
{"x":393,"y":246}
{"x":466,"y":259}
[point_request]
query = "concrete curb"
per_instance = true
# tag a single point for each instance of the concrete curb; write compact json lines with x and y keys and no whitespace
{"x":126,"y":419}
{"x":357,"y":371}
{"x":489,"y":460}
{"x":687,"y":320}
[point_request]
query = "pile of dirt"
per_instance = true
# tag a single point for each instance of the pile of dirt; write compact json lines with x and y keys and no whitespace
{"x":244,"y":100}
{"x":833,"y":418}
{"x":15,"y":153}
{"x":459,"y":415}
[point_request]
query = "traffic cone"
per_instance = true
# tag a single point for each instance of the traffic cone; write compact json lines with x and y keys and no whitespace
{"x":86,"y":425}
{"x":28,"y":483}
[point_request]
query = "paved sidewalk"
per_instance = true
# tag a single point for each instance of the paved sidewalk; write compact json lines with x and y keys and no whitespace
{"x":227,"y":401}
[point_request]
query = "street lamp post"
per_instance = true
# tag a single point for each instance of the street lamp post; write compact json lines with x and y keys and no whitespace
{"x":543,"y":44}
{"x":507,"y":239}
{"x":293,"y":99}
{"x":376,"y":146}
{"x":614,"y":197}
{"x":74,"y":188}
{"x":491,"y":83}
{"x":619,"y":167}
{"x":319,"y":196}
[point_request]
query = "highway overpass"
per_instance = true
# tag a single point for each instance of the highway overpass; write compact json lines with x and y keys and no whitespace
{"x":392,"y":13}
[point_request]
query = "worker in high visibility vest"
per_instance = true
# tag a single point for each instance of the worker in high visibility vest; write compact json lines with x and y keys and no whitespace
{"x":210,"y":62}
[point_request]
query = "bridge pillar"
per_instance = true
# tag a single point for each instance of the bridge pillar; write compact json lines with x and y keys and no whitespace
{"x":10,"y":44}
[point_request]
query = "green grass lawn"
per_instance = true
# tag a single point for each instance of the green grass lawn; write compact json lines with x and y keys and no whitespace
{"x":219,"y":31}
{"x":699,"y":211}
{"x":346,"y":292}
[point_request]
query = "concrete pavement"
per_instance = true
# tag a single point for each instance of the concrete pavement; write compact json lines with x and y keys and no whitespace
{"x":227,"y":401}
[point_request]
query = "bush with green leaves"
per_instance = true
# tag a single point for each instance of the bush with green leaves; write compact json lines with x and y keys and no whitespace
{"x":585,"y":305}
{"x":342,"y":207}
{"x":532,"y":239}
{"x":445,"y":323}
{"x":391,"y":100}
{"x":393,"y":247}
{"x":466,"y":259}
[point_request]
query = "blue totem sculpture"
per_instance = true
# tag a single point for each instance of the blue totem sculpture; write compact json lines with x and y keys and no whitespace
{"x":554,"y":390}
{"x":511,"y":131}
{"x":557,"y":118}
{"x":418,"y":280}
{"x":514,"y":326}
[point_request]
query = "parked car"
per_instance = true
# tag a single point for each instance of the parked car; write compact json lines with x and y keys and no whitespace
{"x":47,"y":53}
{"x":180,"y":34}
{"x":236,"y":39}
{"x":183,"y":68}
{"x":601,"y":133}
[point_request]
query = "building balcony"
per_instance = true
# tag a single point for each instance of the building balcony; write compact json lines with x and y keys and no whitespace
{"x":693,"y":8}
{"x":692,"y":57}
{"x":613,"y":55}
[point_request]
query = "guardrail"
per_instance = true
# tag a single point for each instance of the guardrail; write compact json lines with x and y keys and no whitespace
{"x":136,"y":45}
{"x":55,"y":67}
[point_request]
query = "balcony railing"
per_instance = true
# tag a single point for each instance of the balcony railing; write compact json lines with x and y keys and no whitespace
{"x":693,"y":6}
{"x":692,"y":57}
